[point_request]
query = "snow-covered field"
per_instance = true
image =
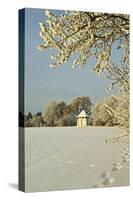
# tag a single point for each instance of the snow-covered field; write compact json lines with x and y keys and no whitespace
{"x":74,"y":158}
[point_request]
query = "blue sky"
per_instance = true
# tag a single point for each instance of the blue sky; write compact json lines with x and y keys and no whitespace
{"x":44,"y":84}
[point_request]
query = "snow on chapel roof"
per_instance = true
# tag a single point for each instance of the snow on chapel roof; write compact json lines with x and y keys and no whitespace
{"x":82,"y":114}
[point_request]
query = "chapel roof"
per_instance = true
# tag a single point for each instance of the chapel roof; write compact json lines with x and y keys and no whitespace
{"x":82,"y":114}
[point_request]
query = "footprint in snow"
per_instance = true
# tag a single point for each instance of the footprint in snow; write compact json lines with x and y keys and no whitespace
{"x":108,"y":181}
{"x":117,"y":166}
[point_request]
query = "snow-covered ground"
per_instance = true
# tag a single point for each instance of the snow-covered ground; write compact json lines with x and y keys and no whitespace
{"x":74,"y":158}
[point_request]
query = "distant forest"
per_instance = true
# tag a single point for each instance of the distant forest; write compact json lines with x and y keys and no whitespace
{"x":59,"y":114}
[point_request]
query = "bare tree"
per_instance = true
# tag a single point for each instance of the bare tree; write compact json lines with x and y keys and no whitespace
{"x":102,"y":116}
{"x":81,"y":103}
